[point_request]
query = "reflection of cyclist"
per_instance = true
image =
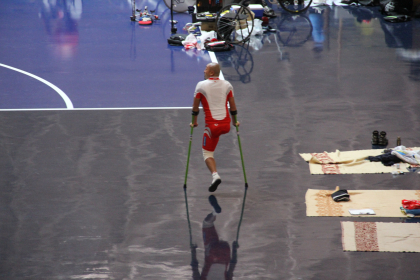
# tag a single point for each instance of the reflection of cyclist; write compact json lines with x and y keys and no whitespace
{"x":218,"y":263}
{"x":317,"y":21}
{"x":403,"y":37}
{"x":60,"y":18}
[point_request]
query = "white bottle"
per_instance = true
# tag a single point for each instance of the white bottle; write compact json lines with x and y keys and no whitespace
{"x":199,"y":47}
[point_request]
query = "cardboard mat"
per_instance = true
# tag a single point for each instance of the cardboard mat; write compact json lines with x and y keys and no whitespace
{"x":380,"y":237}
{"x":349,"y":162}
{"x":385,"y":203}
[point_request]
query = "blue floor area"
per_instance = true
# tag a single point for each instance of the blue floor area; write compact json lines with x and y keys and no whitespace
{"x":100,"y":59}
{"x":95,"y":54}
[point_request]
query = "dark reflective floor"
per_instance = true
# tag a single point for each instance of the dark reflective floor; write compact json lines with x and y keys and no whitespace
{"x":88,"y":194}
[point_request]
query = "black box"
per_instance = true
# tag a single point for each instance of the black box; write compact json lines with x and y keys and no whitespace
{"x":212,"y":6}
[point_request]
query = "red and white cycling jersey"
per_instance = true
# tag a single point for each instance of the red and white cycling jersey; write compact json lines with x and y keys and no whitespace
{"x":214,"y":94}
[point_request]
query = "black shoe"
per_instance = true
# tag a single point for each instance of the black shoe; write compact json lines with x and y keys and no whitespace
{"x":375,"y":137}
{"x":214,"y":204}
{"x":382,"y":139}
{"x":214,"y":185}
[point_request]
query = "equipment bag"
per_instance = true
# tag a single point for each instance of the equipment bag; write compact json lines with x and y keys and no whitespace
{"x":176,"y":39}
{"x":340,"y":195}
{"x":218,"y":46}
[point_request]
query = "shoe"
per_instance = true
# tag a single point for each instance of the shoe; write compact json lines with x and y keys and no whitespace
{"x":390,"y":7}
{"x":397,"y":18}
{"x":215,"y":183}
{"x":351,"y":2}
{"x":269,"y":12}
{"x":214,"y":204}
{"x":375,"y":137}
{"x":382,"y":139}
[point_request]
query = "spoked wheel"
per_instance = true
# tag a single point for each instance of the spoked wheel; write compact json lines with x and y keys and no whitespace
{"x":242,"y":62}
{"x":234,"y":24}
{"x":295,"y":6}
{"x":294,"y":30}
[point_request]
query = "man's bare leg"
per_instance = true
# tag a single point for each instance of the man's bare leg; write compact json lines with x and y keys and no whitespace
{"x":211,"y":165}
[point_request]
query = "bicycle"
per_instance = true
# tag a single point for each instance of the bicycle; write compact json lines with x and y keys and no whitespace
{"x":235,"y":23}
{"x":293,"y":30}
{"x":293,"y":6}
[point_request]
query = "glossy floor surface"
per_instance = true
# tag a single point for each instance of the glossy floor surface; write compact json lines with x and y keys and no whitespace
{"x":98,"y":194}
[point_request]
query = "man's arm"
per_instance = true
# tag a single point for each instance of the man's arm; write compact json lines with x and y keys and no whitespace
{"x":233,"y":110}
{"x":195,"y":110}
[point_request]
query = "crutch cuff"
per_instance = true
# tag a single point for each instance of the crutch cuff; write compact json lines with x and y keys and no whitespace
{"x":195,"y":113}
{"x":233,"y":113}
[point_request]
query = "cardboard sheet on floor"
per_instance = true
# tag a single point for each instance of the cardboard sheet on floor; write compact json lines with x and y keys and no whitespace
{"x":385,"y":203}
{"x":380,"y":237}
{"x":348,"y":162}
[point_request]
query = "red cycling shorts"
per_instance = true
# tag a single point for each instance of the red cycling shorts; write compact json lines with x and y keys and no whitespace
{"x":212,"y":133}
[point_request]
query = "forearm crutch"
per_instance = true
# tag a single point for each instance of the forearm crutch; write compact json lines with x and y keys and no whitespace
{"x":189,"y":151}
{"x":240,"y":150}
{"x":193,"y":247}
{"x":235,"y":244}
{"x":188,"y":217}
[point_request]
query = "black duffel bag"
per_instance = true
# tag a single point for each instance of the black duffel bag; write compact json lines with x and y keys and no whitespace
{"x":218,"y":46}
{"x":340,"y":195}
{"x":176,"y":39}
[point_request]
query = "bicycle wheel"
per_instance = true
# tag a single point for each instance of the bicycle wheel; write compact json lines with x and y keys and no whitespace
{"x":234,"y":24}
{"x":294,"y":30}
{"x":295,"y":6}
{"x":243,"y":63}
{"x":238,"y":60}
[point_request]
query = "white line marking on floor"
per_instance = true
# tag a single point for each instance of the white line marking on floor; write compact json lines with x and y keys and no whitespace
{"x":66,"y":99}
{"x":214,"y":59}
{"x":69,"y":104}
{"x":99,"y":109}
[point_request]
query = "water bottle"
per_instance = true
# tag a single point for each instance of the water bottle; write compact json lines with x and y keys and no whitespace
{"x":198,"y":43}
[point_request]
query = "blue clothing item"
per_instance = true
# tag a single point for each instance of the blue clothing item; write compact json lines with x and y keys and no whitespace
{"x":318,"y":28}
{"x":414,"y":212}
{"x":387,"y":159}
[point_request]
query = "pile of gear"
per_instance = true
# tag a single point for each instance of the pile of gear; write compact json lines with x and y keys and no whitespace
{"x":410,"y":207}
{"x":397,"y":155}
{"x":199,"y":40}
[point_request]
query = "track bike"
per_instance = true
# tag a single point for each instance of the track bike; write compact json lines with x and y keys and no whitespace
{"x":235,"y":22}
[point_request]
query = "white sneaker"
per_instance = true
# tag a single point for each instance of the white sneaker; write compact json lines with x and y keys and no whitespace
{"x":215,"y":183}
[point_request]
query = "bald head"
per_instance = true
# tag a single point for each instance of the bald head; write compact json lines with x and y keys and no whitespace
{"x":212,"y":70}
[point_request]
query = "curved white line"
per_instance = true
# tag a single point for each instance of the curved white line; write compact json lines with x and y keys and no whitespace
{"x":66,"y":99}
{"x":103,"y":109}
